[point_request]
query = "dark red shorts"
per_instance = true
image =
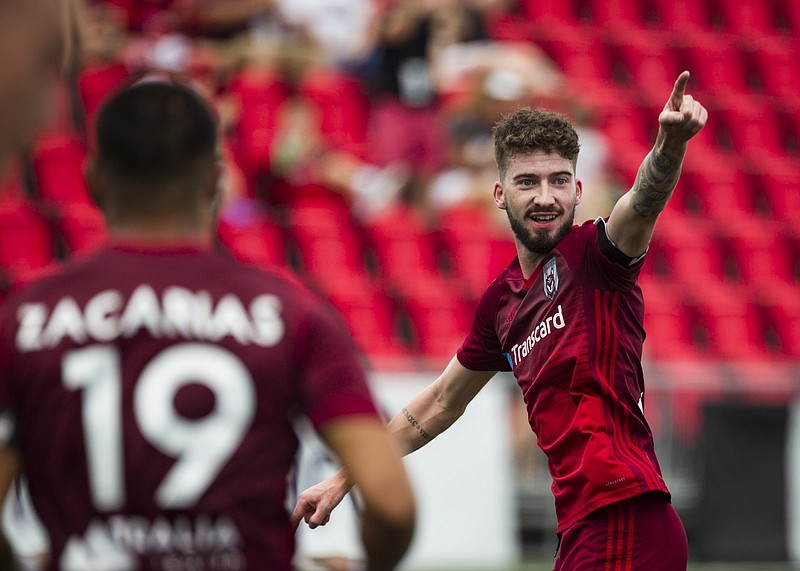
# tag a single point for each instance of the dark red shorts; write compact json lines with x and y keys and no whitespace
{"x":643,"y":533}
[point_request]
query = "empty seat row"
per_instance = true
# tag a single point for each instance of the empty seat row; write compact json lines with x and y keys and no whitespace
{"x":711,"y":320}
{"x":767,"y":18}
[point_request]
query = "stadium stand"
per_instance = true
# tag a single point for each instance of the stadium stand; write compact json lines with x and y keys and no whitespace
{"x":732,"y":201}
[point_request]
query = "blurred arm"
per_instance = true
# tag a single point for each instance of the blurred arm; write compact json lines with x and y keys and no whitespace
{"x":428,"y":414}
{"x":10,"y":467}
{"x":366,"y":452}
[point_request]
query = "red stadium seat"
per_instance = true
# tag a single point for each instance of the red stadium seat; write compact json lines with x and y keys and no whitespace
{"x":761,"y":253}
{"x":789,"y":12}
{"x":587,"y":65}
{"x":26,"y":240}
{"x":669,"y":322}
{"x":777,"y":188}
{"x":12,"y":185}
{"x":781,"y":305}
{"x":58,"y":161}
{"x":253,"y":239}
{"x":754,"y":129}
{"x":687,"y":19}
{"x":477,"y":248}
{"x":715,"y":189}
{"x":95,"y":83}
{"x":440,"y":319}
{"x":259,"y":94}
{"x":732,"y":323}
{"x":369,"y":313}
{"x":546,"y":18}
{"x":650,"y":66}
{"x":633,"y":127}
{"x":403,"y":244}
{"x":717,"y":66}
{"x":82,"y":228}
{"x":343,"y":107}
{"x":776,"y":66}
{"x":687,"y":252}
{"x":328,"y":241}
{"x":618,"y":16}
{"x":748,"y":17}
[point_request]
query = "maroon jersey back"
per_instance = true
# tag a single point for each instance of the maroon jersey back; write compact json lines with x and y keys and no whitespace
{"x":572,"y":334}
{"x":152,"y":395}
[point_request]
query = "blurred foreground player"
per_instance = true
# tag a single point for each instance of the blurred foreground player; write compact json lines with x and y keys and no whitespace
{"x":147,"y":391}
{"x":566,"y":317}
{"x":32,"y":51}
{"x":33,"y":48}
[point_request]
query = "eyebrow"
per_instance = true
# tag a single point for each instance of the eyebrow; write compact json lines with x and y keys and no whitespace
{"x":550,"y":175}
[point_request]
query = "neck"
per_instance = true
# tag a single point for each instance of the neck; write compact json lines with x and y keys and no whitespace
{"x":528,"y":260}
{"x":160,"y":233}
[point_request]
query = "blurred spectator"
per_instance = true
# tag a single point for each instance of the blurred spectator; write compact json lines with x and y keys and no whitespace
{"x":302,"y":157}
{"x":601,"y":190}
{"x":343,"y":29}
{"x":471,"y":170}
{"x":406,"y":125}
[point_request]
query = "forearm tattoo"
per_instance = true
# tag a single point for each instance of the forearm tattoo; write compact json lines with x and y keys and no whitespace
{"x":655,"y":182}
{"x":413,"y":422}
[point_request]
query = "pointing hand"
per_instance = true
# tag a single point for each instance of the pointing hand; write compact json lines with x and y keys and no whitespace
{"x":682,"y":117}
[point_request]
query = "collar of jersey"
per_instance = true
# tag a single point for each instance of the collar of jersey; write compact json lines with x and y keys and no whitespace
{"x":157,"y":248}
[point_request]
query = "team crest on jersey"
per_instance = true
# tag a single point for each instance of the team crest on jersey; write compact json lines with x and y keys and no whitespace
{"x":550,"y":278}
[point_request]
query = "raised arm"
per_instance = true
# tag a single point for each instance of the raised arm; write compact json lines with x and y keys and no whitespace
{"x":634,"y":216}
{"x":428,"y":414}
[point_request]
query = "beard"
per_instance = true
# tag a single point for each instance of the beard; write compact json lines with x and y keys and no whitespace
{"x":539,"y":243}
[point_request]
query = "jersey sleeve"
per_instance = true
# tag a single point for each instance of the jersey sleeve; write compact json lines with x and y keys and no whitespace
{"x":613,"y":269}
{"x":482,"y":349}
{"x":333,"y":381}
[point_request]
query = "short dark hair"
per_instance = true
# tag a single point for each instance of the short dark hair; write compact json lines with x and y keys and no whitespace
{"x":155,"y":133}
{"x":527,"y":130}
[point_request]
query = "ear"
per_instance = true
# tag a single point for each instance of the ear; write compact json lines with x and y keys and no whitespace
{"x":499,"y":196}
{"x":578,"y":191}
{"x":213,"y":184}
{"x":95,"y":182}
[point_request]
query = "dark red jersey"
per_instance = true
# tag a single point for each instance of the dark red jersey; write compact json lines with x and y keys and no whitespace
{"x":572,"y":334}
{"x":151,"y":395}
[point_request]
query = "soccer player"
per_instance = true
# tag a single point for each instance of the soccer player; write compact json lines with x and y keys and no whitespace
{"x":148,"y":390}
{"x":566,"y":318}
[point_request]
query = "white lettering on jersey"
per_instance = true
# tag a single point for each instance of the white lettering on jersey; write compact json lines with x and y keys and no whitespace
{"x":183,"y":543}
{"x":102,"y":312}
{"x":178,"y":313}
{"x":65,"y":321}
{"x":142,"y":311}
{"x":31,"y":317}
{"x":540,"y":331}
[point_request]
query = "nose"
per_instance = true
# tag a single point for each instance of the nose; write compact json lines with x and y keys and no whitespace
{"x":544,"y":198}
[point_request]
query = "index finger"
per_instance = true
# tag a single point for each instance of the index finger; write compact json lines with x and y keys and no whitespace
{"x":676,"y":97}
{"x":297,"y":514}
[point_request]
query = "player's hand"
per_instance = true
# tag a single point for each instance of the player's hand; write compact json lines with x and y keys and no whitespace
{"x":316,"y":503}
{"x":682,"y":117}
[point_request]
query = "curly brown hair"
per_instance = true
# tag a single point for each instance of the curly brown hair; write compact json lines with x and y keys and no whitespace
{"x":527,"y":130}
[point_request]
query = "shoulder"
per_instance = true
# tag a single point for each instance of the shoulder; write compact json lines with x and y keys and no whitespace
{"x":580,"y":235}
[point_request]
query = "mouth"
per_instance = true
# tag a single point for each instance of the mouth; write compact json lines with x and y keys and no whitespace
{"x":543,"y":219}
